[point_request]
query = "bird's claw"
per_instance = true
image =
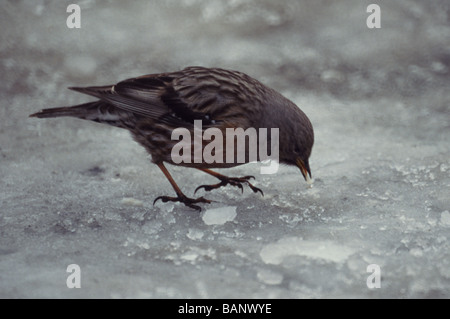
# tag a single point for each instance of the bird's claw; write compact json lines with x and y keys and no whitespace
{"x":207,"y":187}
{"x":234,"y":181}
{"x":185,"y":200}
{"x":255,"y":189}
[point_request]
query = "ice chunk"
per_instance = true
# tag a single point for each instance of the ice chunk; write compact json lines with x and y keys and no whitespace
{"x":417,"y":252}
{"x":270,"y":277}
{"x":195,"y":234}
{"x":445,"y":218}
{"x":219,"y":216}
{"x":132,"y":201}
{"x":293,"y":246}
{"x":194,"y":254}
{"x":189,"y":256}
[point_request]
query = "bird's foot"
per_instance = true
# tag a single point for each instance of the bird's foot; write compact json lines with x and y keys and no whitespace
{"x":234,"y":181}
{"x":185,"y":200}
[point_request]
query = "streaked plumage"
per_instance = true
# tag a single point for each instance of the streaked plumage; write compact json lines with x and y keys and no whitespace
{"x":152,"y":106}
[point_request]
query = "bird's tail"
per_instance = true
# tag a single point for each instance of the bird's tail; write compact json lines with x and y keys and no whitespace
{"x":98,"y":111}
{"x":83,"y":111}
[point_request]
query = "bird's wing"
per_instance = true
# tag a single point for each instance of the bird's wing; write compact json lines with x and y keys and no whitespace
{"x":151,"y":106}
{"x":178,"y":98}
{"x":157,"y":92}
{"x":150,"y":96}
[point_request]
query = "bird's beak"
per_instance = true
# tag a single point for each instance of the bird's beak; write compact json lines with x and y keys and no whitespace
{"x":304,"y":168}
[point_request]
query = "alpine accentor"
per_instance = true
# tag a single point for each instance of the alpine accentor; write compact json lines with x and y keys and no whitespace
{"x":152,"y":106}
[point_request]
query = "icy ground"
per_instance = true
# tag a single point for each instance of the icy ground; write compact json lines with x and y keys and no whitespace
{"x":74,"y":192}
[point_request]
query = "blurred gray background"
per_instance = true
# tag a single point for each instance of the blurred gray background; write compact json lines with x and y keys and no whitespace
{"x":72,"y":191}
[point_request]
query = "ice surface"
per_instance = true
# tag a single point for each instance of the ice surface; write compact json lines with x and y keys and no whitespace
{"x":219,"y":216}
{"x":275,"y":253}
{"x":78,"y":192}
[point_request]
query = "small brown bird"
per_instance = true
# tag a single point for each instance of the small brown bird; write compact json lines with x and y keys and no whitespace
{"x":152,"y":106}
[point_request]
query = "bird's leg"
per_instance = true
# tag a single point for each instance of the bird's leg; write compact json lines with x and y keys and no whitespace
{"x":224,"y":180}
{"x":180,"y":196}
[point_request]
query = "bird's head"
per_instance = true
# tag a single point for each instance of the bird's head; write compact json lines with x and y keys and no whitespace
{"x":298,"y":150}
{"x":296,"y":133}
{"x":299,"y":156}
